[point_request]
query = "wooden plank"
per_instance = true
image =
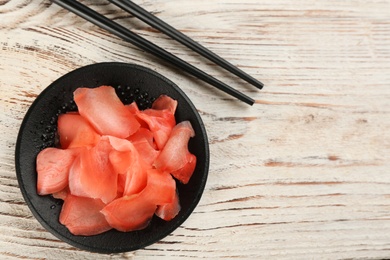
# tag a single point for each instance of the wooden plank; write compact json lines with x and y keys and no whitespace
{"x":302,"y":174}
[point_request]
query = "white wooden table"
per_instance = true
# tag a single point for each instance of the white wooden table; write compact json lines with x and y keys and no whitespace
{"x":302,"y":174}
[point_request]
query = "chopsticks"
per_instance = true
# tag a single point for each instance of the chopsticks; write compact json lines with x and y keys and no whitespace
{"x":162,"y":26}
{"x":127,"y":35}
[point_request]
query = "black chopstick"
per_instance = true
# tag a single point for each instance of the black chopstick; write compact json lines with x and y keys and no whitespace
{"x":162,"y":26}
{"x":127,"y":35}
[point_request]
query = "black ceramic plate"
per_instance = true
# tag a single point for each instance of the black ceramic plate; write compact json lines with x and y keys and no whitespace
{"x":38,"y":131}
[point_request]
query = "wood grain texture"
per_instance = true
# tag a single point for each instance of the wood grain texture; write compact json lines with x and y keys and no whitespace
{"x":303,"y":174}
